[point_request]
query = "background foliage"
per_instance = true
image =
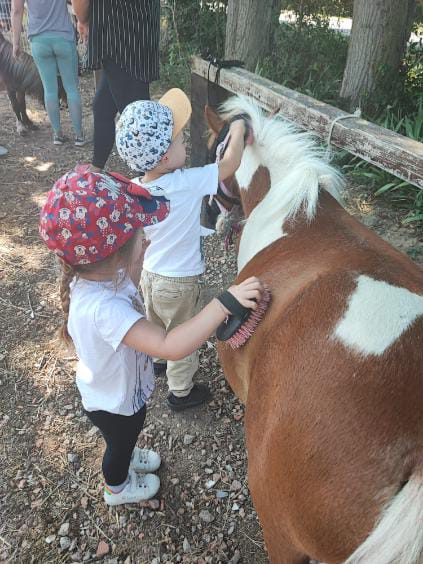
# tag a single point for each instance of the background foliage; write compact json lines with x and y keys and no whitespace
{"x":309,"y":9}
{"x":309,"y":57}
{"x":190,"y":27}
{"x":313,"y":59}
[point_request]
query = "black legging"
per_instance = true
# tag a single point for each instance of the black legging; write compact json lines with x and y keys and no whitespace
{"x":116,"y":90}
{"x":120,"y":433}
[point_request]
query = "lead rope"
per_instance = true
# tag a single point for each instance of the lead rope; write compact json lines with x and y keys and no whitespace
{"x":219,"y":64}
{"x":328,"y":153}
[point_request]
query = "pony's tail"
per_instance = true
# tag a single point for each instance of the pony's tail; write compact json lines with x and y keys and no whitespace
{"x":398,"y":536}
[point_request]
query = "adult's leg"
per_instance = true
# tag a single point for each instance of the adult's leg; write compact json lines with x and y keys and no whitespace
{"x":104,"y":111}
{"x":42,"y":51}
{"x":120,"y":433}
{"x":124,"y":87}
{"x":67,"y":61}
{"x":116,"y":90}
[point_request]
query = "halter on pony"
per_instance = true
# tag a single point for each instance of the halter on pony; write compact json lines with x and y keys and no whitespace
{"x":224,"y":203}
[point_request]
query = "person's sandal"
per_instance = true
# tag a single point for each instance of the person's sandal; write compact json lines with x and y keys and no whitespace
{"x":199,"y":395}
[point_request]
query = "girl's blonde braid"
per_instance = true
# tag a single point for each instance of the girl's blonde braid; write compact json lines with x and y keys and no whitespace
{"x":68,"y":274}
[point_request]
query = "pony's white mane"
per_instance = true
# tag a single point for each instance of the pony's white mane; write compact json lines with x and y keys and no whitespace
{"x":295,"y":162}
{"x":297,"y":173}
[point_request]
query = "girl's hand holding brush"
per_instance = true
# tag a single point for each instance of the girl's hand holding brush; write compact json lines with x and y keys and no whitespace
{"x":247,"y":293}
{"x":183,"y":340}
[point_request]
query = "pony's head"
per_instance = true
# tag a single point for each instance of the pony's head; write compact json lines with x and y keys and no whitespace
{"x":281,"y":172}
{"x":223,"y":210}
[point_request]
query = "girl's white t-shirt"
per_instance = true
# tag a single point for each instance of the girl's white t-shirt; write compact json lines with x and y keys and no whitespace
{"x":110,"y":376}
{"x":175,"y":248}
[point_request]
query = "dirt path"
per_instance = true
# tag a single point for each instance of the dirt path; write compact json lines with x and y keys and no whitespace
{"x":51,"y":508}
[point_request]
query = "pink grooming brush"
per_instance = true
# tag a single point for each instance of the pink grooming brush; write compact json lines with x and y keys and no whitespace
{"x":241,"y":324}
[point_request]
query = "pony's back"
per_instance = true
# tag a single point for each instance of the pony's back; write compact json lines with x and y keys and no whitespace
{"x":333,"y":386}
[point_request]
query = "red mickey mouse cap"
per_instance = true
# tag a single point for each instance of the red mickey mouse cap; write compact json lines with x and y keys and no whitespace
{"x":89,"y":215}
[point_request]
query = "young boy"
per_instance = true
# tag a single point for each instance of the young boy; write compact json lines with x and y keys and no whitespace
{"x":149,"y":139}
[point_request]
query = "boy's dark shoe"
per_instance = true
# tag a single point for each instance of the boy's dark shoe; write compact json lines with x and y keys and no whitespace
{"x":159,"y":368}
{"x":198,"y":395}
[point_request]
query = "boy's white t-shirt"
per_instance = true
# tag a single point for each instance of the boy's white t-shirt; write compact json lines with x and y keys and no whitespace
{"x":110,"y":376}
{"x":175,"y":248}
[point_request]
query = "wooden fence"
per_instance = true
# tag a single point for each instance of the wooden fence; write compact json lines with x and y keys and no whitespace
{"x":394,"y":153}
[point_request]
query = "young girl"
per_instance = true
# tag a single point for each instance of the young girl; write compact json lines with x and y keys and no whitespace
{"x":94,"y":223}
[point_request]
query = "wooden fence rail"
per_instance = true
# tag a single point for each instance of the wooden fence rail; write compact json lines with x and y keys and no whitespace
{"x":394,"y":153}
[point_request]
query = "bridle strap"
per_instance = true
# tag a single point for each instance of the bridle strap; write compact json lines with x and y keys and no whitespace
{"x":222,"y":191}
{"x":216,"y":153}
{"x":221,"y":207}
{"x":222,"y":137}
{"x":219,"y":64}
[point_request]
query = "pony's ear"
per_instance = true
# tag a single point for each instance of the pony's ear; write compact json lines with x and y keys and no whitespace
{"x":214,"y":121}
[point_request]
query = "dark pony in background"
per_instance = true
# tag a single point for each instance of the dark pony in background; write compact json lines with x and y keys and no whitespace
{"x":20,"y":77}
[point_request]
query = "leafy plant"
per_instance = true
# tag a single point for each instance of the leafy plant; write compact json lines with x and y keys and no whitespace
{"x":402,"y":194}
{"x":309,"y":59}
{"x":189,"y":27}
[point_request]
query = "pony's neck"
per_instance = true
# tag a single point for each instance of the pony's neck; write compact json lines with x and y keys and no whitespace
{"x":263,"y":226}
{"x":259,"y":187}
{"x":269,"y":204}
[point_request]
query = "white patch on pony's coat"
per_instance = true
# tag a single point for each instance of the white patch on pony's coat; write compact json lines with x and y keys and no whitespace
{"x":377,"y":315}
{"x":265,"y":223}
{"x":259,"y":232}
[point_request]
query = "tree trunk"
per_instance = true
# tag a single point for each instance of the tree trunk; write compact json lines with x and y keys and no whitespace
{"x":249,"y":30}
{"x":379,"y":35}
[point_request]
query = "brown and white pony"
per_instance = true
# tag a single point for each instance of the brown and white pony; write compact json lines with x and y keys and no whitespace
{"x":332,"y":378}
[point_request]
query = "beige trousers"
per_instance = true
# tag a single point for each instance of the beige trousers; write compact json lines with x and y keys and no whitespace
{"x":168,"y":303}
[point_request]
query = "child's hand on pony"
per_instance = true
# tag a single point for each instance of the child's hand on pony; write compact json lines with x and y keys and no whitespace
{"x":184,"y":339}
{"x":248,"y":292}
